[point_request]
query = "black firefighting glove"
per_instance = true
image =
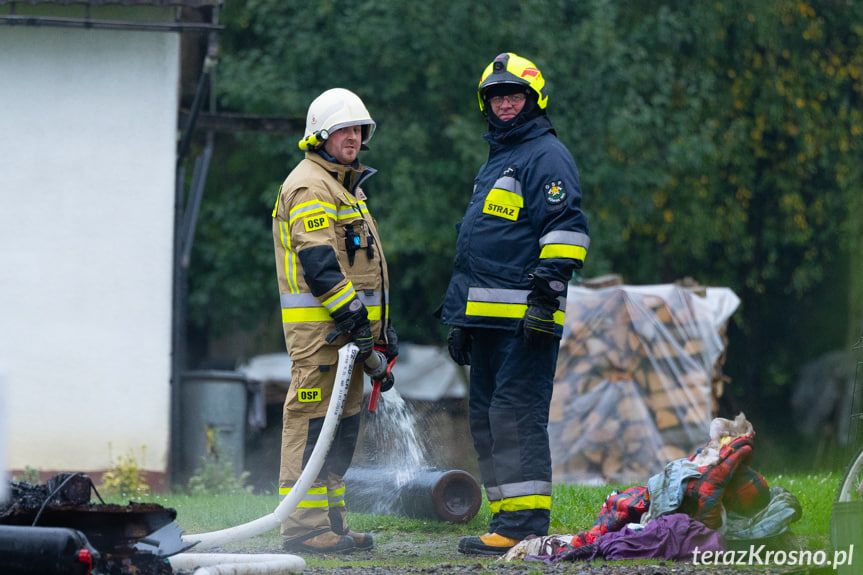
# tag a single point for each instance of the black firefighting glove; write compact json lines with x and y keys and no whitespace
{"x":392,"y":352}
{"x":459,"y":343}
{"x":392,"y":343}
{"x":352,"y":319}
{"x":537,"y":327}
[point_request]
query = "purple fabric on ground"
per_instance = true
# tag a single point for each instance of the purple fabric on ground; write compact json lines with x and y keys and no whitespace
{"x":672,"y":537}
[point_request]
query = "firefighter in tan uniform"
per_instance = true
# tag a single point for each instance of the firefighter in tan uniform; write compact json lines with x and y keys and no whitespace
{"x":333,"y":289}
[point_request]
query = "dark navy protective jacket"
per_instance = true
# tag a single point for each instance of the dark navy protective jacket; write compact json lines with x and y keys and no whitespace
{"x":524,"y":218}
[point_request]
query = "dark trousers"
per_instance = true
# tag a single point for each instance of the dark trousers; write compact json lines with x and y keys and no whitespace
{"x":510,"y":395}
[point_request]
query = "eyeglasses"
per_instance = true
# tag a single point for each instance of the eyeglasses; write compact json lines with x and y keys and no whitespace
{"x":513,"y":99}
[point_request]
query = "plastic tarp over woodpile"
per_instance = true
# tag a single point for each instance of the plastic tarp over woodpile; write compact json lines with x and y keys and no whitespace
{"x":639,"y":371}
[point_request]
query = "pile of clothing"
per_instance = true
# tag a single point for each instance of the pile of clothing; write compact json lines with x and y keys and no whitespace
{"x":700,"y":502}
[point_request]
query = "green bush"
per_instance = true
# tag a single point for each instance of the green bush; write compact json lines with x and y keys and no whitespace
{"x":125,"y":478}
{"x":215,"y":475}
{"x":31,"y":476}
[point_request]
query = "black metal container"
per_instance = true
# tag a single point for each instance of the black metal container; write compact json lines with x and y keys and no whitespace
{"x":441,"y":495}
{"x":45,"y":550}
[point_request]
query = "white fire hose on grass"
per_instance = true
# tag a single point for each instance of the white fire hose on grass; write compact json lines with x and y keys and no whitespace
{"x":263,"y":564}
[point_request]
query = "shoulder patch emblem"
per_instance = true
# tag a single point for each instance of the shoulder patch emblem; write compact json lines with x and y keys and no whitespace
{"x":554,"y":192}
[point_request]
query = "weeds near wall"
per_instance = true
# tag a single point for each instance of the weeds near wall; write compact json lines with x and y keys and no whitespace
{"x":31,"y":476}
{"x":125,"y":477}
{"x":215,"y":475}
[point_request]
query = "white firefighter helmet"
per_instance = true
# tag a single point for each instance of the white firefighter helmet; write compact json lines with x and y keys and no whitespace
{"x":333,"y":110}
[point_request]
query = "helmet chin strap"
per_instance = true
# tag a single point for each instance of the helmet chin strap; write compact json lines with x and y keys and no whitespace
{"x":499,"y":125}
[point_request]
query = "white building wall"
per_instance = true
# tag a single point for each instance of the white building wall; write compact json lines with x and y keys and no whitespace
{"x":87,"y":154}
{"x":4,"y":478}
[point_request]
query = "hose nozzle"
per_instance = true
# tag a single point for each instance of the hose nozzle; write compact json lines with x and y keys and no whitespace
{"x":376,"y":364}
{"x":379,"y":370}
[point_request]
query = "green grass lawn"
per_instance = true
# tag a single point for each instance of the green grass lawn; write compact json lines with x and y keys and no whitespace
{"x":816,"y":492}
{"x":574,"y":509}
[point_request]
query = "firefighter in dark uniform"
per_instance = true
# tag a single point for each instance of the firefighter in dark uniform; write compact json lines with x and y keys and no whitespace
{"x":332,"y":282}
{"x":522,"y":237}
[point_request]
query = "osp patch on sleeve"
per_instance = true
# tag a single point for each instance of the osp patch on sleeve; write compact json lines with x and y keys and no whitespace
{"x":309,"y":395}
{"x":554,"y":192}
{"x":316,"y":222}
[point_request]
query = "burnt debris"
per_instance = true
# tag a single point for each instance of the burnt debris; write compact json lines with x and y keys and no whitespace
{"x":57,"y":525}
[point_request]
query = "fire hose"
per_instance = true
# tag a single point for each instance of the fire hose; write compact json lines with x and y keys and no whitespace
{"x":239,"y":564}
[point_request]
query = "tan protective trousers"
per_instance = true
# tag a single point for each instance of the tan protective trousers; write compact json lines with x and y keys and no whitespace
{"x":323,"y":506}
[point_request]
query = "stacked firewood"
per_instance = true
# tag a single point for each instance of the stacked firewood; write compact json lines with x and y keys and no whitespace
{"x":637,"y":381}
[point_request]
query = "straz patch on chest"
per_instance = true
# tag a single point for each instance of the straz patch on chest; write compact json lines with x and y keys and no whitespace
{"x":313,"y":223}
{"x":500,"y":210}
{"x":309,"y":395}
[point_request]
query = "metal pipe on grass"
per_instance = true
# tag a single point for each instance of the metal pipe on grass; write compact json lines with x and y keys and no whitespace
{"x":438,"y":494}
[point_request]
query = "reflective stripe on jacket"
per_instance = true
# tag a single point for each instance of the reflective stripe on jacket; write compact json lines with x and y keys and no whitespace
{"x":524,"y":218}
{"x":318,"y":203}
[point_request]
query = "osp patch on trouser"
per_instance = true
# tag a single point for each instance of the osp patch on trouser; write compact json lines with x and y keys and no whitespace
{"x":510,"y":395}
{"x":303,"y":417}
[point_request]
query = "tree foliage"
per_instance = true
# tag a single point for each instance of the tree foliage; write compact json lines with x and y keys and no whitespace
{"x":718,"y":140}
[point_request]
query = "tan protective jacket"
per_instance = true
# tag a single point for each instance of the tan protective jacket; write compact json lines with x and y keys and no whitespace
{"x":318,"y":203}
